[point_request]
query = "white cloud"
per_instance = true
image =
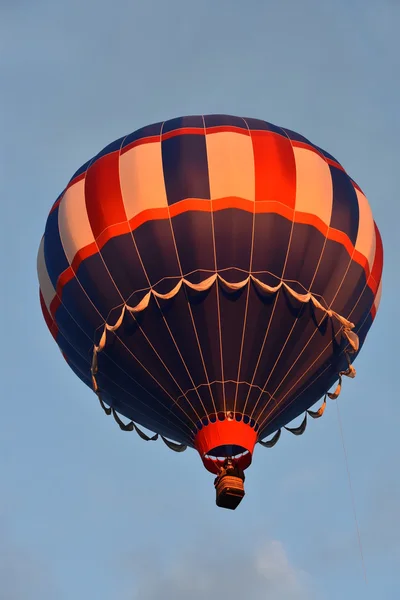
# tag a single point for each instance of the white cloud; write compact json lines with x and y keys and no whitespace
{"x":230,"y":573}
{"x":272,"y":566}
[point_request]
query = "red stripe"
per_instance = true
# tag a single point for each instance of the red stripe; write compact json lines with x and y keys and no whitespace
{"x":227,"y":129}
{"x":103,"y":195}
{"x":151,"y":214}
{"x":55,"y":303}
{"x":374,"y":279}
{"x":190,"y":204}
{"x":56,"y":204}
{"x":183,"y":131}
{"x":48,"y":318}
{"x":270,"y":206}
{"x":363,"y":261}
{"x":373,"y":311}
{"x":65,"y":276}
{"x":195,"y":204}
{"x":72,"y":182}
{"x":82,"y":254}
{"x":113,"y":231}
{"x":78,"y":178}
{"x":146,"y":140}
{"x":335,"y":164}
{"x":377,"y":266}
{"x":275,"y":168}
{"x":233,"y":202}
{"x":306,"y":146}
{"x":313,"y":220}
{"x":338,"y":236}
{"x":69,"y":274}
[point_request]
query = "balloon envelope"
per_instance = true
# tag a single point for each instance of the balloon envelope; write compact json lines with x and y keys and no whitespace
{"x":191,"y":273}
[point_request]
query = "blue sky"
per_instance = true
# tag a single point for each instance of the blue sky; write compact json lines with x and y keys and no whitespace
{"x":87,"y":511}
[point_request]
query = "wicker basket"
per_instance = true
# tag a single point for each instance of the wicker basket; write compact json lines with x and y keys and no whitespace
{"x":230,"y":491}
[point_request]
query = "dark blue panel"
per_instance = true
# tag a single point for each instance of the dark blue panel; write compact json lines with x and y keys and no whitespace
{"x":313,"y":374}
{"x":157,"y":250}
{"x":82,"y":363}
{"x":79,"y":373}
{"x":305,"y":250}
{"x":179,"y":318}
{"x":331,"y":271}
{"x":121,"y":257}
{"x":279,"y":326}
{"x":259,"y":125}
{"x":271,"y":238}
{"x":358,"y":305}
{"x":205,"y":313}
{"x":259,"y":312}
{"x":232,"y":317}
{"x":345,"y":211}
{"x":136,"y":395}
{"x":56,"y":261}
{"x":327,"y":155}
{"x":233,"y":238}
{"x":353,"y":290}
{"x":116,"y":363}
{"x":142,"y":413}
{"x":113,"y":147}
{"x":81,"y":170}
{"x":98,"y":285}
{"x":185,"y":167}
{"x":296,"y":358}
{"x":181,"y":122}
{"x":363,"y":328}
{"x":151,"y":341}
{"x":194,"y":239}
{"x":295,"y":347}
{"x":57,"y":200}
{"x":72,"y":354}
{"x":79,"y":335}
{"x":224,"y":120}
{"x":290,"y":409}
{"x":296,"y":137}
{"x":167,"y":425}
{"x":143,"y":132}
{"x":81,"y":310}
{"x":363,"y":310}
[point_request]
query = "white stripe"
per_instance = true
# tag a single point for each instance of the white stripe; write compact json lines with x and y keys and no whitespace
{"x":73,"y":221}
{"x":231,"y":169}
{"x":46,"y":287}
{"x":142,"y":179}
{"x":314,"y":190}
{"x":366,"y":239}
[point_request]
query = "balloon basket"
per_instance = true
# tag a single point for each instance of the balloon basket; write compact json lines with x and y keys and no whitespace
{"x":230,"y":492}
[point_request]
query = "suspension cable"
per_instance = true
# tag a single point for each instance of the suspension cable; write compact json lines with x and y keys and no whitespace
{"x":351,"y":493}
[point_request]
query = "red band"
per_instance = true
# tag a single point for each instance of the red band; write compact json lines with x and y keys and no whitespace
{"x":225,"y":433}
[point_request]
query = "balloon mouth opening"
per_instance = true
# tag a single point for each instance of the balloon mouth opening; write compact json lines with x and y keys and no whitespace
{"x":225,"y":439}
{"x":214,"y":463}
{"x":225,"y":451}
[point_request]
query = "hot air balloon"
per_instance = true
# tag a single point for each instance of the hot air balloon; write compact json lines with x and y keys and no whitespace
{"x":211,"y":278}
